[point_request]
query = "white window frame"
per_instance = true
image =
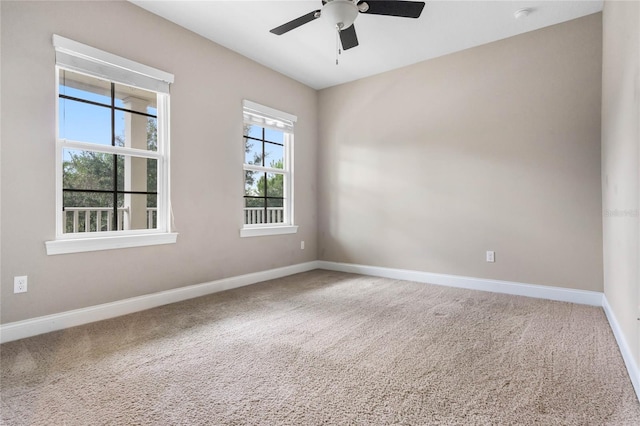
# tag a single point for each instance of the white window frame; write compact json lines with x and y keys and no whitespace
{"x":261,"y":115}
{"x":80,"y":58}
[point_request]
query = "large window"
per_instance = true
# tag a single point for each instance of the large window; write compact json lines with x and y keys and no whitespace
{"x":268,"y":171}
{"x":112,"y":148}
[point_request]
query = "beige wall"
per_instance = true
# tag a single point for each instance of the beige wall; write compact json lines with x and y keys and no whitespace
{"x":207,"y":156}
{"x":621,"y":164}
{"x":492,"y":148}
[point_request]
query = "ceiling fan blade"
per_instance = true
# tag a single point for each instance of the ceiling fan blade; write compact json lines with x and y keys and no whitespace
{"x":292,"y":25}
{"x":403,"y":9}
{"x":349,"y":38}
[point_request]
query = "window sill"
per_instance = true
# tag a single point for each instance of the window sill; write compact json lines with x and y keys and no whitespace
{"x":80,"y":245}
{"x":271,"y":230}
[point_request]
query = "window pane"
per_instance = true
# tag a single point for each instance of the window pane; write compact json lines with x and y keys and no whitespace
{"x":275,"y":202}
{"x":272,"y":135}
{"x":137,"y":174}
{"x":93,"y":171}
{"x":152,"y":211}
{"x":84,"y":122}
{"x":87,"y":212}
{"x":275,"y":210}
{"x":141,"y":130}
{"x":91,"y":212}
{"x":254,"y":203}
{"x":275,"y":185}
{"x":252,"y":151}
{"x":152,"y":134}
{"x":251,"y":180}
{"x":253,"y":131}
{"x":274,"y":155}
{"x":134,"y":99}
{"x":138,"y":214}
{"x":87,"y":170}
{"x":254,"y":211}
{"x":152,"y":177}
{"x":87,"y":199}
{"x":84,"y":87}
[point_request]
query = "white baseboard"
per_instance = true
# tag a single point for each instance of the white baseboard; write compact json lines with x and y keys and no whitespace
{"x":40,"y":325}
{"x":630,"y":362}
{"x":582,"y":297}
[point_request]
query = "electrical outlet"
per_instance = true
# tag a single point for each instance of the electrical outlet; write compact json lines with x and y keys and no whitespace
{"x":20,"y":284}
{"x":301,"y":245}
{"x":491,"y":256}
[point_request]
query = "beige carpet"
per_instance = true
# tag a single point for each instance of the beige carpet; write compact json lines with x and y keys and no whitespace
{"x":327,"y":348}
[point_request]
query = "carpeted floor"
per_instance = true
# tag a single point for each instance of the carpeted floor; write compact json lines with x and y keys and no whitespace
{"x":327,"y":348}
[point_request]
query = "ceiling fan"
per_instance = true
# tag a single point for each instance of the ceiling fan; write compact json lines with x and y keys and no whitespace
{"x":342,"y":13}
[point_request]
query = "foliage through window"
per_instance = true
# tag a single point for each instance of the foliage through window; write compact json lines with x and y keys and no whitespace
{"x":268,"y":182}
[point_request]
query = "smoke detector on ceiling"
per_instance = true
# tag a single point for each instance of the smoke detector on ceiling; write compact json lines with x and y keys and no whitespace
{"x":522,"y":13}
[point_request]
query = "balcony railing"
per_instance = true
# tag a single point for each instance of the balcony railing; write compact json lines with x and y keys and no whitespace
{"x":94,"y":219}
{"x":256,"y":215}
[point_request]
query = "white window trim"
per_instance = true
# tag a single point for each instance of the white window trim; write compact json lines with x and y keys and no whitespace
{"x":288,"y":227}
{"x":76,"y":56}
{"x":99,"y":243}
{"x":114,"y":68}
{"x":261,"y":231}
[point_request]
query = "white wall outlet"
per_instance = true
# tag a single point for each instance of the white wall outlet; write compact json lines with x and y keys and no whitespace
{"x":301,"y":245}
{"x":491,"y":256}
{"x":20,"y":284}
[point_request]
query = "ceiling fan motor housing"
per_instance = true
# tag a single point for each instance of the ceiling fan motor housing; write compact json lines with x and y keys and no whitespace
{"x":340,"y":13}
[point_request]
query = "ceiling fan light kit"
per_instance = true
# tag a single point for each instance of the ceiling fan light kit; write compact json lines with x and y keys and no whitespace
{"x":341,"y":14}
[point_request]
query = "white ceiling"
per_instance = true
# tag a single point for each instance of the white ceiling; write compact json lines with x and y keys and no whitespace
{"x":308,"y":53}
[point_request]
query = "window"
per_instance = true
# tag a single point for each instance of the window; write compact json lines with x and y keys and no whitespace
{"x":112,"y":151}
{"x":268,"y":171}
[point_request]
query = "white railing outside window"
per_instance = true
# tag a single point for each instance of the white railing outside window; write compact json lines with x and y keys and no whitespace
{"x":100,"y":219}
{"x":256,"y":215}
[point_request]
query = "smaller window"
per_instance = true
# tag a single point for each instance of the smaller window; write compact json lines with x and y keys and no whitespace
{"x":268,"y":171}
